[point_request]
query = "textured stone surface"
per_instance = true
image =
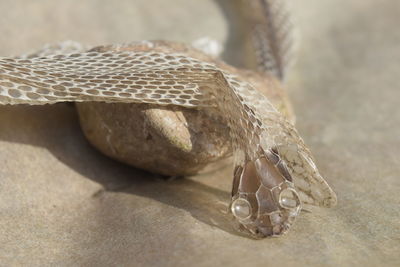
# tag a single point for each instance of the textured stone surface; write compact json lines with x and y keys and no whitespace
{"x":170,"y":141}
{"x":63,"y":203}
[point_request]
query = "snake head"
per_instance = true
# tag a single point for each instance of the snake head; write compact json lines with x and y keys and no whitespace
{"x":264,"y":199}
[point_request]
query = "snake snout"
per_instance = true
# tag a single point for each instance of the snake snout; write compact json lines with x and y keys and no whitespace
{"x":264,"y":199}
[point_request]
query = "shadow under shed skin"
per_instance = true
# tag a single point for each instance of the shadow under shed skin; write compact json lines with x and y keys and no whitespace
{"x":63,"y":203}
{"x":55,"y":129}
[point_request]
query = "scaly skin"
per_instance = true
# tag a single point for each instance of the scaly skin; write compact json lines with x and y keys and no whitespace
{"x":275,"y":174}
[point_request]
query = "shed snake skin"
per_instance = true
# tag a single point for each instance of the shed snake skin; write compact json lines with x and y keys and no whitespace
{"x":275,"y":174}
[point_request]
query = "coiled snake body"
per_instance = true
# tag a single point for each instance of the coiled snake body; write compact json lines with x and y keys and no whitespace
{"x":274,"y":174}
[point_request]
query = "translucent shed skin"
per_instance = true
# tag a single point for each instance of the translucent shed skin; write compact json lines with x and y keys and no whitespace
{"x":275,"y":173}
{"x":264,"y":198}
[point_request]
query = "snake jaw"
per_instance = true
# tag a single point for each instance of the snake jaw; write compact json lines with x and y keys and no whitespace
{"x":264,"y":199}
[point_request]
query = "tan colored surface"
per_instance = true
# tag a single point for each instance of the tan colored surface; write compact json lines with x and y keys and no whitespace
{"x":62,"y":203}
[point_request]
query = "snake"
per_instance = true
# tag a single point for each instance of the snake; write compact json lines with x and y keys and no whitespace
{"x":275,"y":175}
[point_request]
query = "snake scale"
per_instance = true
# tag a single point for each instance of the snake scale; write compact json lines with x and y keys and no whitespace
{"x":274,"y":175}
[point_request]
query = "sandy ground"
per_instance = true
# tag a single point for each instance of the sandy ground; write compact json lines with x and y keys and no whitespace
{"x":64,"y":204}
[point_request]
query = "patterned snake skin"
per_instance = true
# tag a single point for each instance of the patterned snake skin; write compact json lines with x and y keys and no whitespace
{"x":275,"y":174}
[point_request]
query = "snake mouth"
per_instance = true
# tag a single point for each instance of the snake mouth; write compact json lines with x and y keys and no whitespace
{"x":268,"y":231}
{"x":266,"y":225}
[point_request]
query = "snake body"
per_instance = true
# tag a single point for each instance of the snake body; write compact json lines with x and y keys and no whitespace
{"x":274,"y":175}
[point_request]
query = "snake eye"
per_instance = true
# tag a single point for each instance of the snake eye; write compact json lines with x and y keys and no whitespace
{"x":241,"y":209}
{"x":289,"y":199}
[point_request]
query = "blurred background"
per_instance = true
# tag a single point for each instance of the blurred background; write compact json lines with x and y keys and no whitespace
{"x":63,"y":203}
